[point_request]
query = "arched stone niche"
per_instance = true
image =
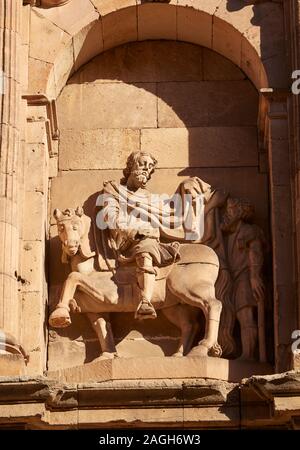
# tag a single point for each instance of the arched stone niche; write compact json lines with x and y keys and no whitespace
{"x":195,"y":111}
{"x":241,"y":34}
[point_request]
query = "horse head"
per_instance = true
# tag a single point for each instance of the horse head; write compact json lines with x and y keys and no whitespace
{"x":73,"y":228}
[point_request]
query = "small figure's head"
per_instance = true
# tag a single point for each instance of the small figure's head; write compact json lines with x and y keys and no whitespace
{"x":236,"y":210}
{"x":139,"y":168}
{"x":70,"y":229}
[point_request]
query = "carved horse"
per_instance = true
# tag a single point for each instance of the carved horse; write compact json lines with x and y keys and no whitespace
{"x":190,"y":281}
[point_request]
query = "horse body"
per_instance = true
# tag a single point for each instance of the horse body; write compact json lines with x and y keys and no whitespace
{"x":188,"y":282}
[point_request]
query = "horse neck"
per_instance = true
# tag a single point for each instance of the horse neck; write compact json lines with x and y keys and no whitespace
{"x":82,"y":265}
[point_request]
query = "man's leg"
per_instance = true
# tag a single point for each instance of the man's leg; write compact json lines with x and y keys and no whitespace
{"x":146,"y":281}
{"x":248,"y":328}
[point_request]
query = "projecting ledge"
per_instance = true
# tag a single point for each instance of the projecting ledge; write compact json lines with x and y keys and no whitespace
{"x":161,"y":368}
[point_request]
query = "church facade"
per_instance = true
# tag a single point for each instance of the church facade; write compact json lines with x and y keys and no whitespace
{"x":210,"y":90}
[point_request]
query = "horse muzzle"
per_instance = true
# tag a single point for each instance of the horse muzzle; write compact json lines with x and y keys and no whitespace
{"x":71,"y":248}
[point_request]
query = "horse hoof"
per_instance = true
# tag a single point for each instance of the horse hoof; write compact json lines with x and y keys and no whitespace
{"x":60,"y":318}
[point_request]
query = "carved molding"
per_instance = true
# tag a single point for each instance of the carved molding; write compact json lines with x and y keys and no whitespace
{"x":268,"y":95}
{"x":258,"y":402}
{"x":50,"y":119}
{"x":45,"y":3}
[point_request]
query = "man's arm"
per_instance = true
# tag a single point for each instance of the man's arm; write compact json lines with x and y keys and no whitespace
{"x":113,"y":216}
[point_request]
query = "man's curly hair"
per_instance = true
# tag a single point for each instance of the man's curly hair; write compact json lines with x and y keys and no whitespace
{"x":132,"y":158}
{"x":246,"y":208}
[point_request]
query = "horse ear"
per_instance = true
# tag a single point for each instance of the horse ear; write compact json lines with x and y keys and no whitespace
{"x":57,"y":214}
{"x":79,"y":211}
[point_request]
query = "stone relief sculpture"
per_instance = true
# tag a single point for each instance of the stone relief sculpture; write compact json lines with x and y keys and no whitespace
{"x":133,"y":269}
{"x":140,"y":242}
{"x":142,"y":264}
{"x":244,"y":249}
{"x":226,"y":217}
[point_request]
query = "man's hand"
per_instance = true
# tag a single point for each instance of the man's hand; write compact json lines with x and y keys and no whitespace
{"x":258,"y":288}
{"x":191,"y":187}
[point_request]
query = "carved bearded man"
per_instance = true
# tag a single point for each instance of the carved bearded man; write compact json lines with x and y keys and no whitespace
{"x":138,"y":239}
{"x":152,"y":220}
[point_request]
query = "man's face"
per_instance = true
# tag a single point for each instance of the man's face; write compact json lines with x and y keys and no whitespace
{"x":232,"y":210}
{"x":231,"y":216}
{"x":141,"y":171}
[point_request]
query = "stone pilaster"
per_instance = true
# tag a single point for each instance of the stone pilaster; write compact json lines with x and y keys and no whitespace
{"x":10,"y":105}
{"x":280,"y":155}
{"x":292,"y":26}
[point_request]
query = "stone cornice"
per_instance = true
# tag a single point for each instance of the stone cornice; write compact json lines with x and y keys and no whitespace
{"x":259,"y":401}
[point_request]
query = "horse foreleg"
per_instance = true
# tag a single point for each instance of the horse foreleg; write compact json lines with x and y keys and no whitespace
{"x":209,"y":345}
{"x":183,"y":319}
{"x":212,"y":328}
{"x":60,"y":317}
{"x":102,"y":327}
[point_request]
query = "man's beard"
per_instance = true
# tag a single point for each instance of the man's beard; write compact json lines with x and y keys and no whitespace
{"x":141,"y":177}
{"x":228,"y":223}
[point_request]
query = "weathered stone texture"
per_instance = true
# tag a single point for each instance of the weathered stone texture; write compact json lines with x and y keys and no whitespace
{"x":189,"y":30}
{"x":135,"y":63}
{"x":88,"y":43}
{"x":72,"y":16}
{"x":119,"y":29}
{"x":200,"y":146}
{"x":206,"y":104}
{"x":12,"y":365}
{"x":157,"y":21}
{"x":55,"y":35}
{"x":97,"y":149}
{"x":108,"y":105}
